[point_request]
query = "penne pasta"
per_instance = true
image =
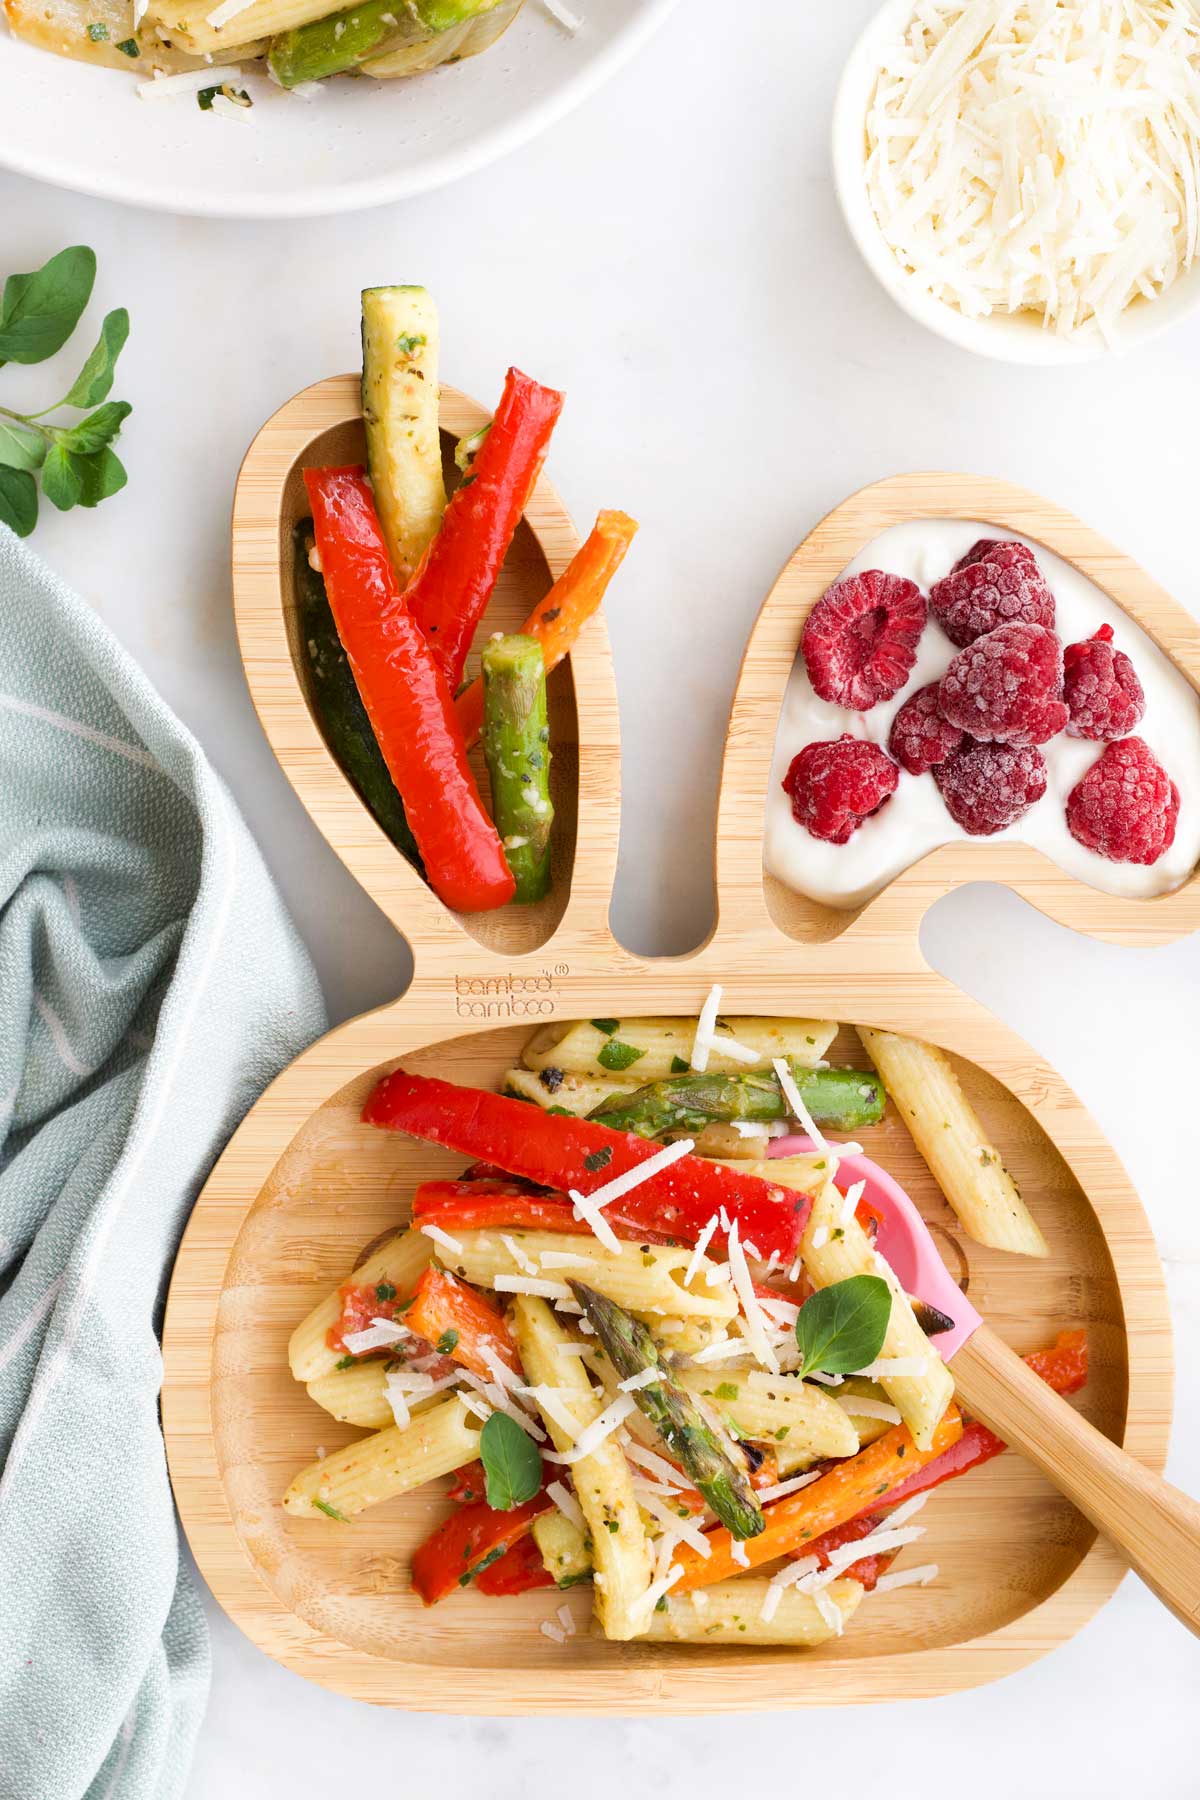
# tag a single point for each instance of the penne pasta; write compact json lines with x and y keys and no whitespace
{"x":846,"y":1251}
{"x":385,"y":1465}
{"x":947,"y":1131}
{"x":645,"y":1278}
{"x":650,"y":1049}
{"x":188,"y":23}
{"x":566,"y":1549}
{"x":577,"y":1094}
{"x":777,"y":1408}
{"x":356,"y":1396}
{"x":603,"y":1485}
{"x":732,"y":1610}
{"x":399,"y":1262}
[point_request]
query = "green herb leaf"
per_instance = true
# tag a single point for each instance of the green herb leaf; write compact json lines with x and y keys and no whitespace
{"x":596,"y":1160}
{"x":679,"y":1066}
{"x":842,"y":1328}
{"x":447,"y":1344}
{"x":129,"y":47}
{"x":345,"y":1362}
{"x":98,"y":33}
{"x":726,"y":1390}
{"x":98,"y":429}
{"x":409,"y":341}
{"x":205,"y":98}
{"x":512,"y":1463}
{"x":331,"y":1512}
{"x":605,"y":1027}
{"x":102,"y":476}
{"x":385,"y":1291}
{"x":62,"y":480}
{"x":39,"y":311}
{"x":616,"y":1056}
{"x":21,"y":446}
{"x":18,"y":500}
{"x":94,"y":381}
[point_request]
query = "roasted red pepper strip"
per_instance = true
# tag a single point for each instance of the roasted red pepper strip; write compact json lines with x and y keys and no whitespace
{"x":460,"y":1323}
{"x":564,"y":1153}
{"x":467,"y":1542}
{"x":518,"y":1571}
{"x":407,"y":697}
{"x":467,"y":1483}
{"x":499,"y":1206}
{"x":451,"y":588}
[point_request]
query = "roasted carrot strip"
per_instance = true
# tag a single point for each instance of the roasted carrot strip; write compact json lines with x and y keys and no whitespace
{"x":847,"y":1490}
{"x":557,"y":620}
{"x":460,"y":1323}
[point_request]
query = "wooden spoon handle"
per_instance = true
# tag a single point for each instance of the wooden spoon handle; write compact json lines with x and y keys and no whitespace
{"x":1155,"y":1527}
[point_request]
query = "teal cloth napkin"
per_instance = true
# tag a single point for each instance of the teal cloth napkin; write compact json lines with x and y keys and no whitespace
{"x":150,"y":985}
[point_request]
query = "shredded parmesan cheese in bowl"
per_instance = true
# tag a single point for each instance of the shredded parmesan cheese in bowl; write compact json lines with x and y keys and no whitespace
{"x":1023,"y":176}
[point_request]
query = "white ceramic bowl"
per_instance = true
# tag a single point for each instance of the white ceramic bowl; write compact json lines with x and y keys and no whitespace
{"x":1007,"y":337}
{"x":358,"y":143}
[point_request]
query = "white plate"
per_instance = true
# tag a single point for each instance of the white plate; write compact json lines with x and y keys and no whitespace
{"x":358,"y":143}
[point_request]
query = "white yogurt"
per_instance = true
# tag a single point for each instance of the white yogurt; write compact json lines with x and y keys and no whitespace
{"x":915,"y":820}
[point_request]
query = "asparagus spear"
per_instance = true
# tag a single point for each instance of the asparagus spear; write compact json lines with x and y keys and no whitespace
{"x":338,"y":705}
{"x":516,"y":743}
{"x":345,"y":39}
{"x":846,"y":1099}
{"x":675,"y":1415}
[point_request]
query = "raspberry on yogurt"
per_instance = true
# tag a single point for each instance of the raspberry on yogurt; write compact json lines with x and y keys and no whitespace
{"x":1126,"y":807}
{"x":860,"y":639}
{"x":834,"y":786}
{"x":920,"y":737}
{"x":994,"y":584}
{"x":1007,"y":687}
{"x":1101,"y":688}
{"x":988,"y":787}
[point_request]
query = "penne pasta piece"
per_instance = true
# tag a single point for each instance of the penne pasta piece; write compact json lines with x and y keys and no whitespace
{"x":566,"y":1549}
{"x":91,"y":31}
{"x":188,"y":23}
{"x":835,"y":1251}
{"x":577,"y":1094}
{"x":947,"y":1131}
{"x":777,"y":1408}
{"x":731,"y":1611}
{"x":356,"y":1396}
{"x":603,"y":1484}
{"x":386,"y":1465}
{"x":649,"y":1049}
{"x":399,"y":1262}
{"x":645,"y":1278}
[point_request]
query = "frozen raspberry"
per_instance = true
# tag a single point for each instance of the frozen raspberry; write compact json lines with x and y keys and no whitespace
{"x":993,"y":584}
{"x":1101,"y":689}
{"x":835,"y":786}
{"x":987,"y":787}
{"x":1126,"y":807}
{"x":1007,"y":686}
{"x":920,"y":736}
{"x":860,"y":639}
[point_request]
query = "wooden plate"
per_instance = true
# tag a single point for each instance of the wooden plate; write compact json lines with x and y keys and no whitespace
{"x":303,"y":1185}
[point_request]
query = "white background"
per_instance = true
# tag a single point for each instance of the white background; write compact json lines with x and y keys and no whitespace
{"x":673,"y":257}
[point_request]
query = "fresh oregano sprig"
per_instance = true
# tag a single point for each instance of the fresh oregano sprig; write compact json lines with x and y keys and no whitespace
{"x":78,"y":467}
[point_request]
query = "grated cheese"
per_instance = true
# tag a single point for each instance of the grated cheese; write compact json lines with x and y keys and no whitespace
{"x":782,"y":1488}
{"x":796,"y":1106}
{"x":653,"y":1464}
{"x":227,"y":11}
{"x":643,"y":1378}
{"x":566,"y":1503}
{"x":554,"y":1632}
{"x":900,"y":1578}
{"x":591,"y":1438}
{"x":820,"y":1237}
{"x":850,"y":1204}
{"x":756,"y":1329}
{"x":437,"y":1236}
{"x":739,"y":1553}
{"x":566,"y":1619}
{"x":190,"y":81}
{"x":380,"y":1334}
{"x":706,"y":1026}
{"x":563,"y":1259}
{"x":1040,"y":156}
{"x":589,"y":1207}
{"x":701,"y":1245}
{"x":871,"y":1409}
{"x":874,"y":1543}
{"x":525,"y":1263}
{"x":830,"y":1611}
{"x":563,"y":15}
{"x":531,"y":1284}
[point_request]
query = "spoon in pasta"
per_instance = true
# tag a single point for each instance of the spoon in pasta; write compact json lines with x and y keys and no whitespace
{"x":1155,"y":1527}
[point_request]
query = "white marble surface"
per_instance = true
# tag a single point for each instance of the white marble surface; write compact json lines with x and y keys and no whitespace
{"x":673,"y":257}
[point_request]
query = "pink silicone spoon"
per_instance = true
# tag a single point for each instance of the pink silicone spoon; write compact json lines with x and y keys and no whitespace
{"x":1154,"y":1526}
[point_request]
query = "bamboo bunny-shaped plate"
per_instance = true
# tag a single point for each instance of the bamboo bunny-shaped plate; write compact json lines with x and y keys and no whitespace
{"x":303,"y":1185}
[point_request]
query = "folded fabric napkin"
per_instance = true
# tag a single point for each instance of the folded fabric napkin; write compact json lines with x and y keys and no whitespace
{"x":150,"y":985}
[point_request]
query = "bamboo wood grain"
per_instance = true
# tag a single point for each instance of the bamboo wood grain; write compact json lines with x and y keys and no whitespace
{"x":303,"y":1186}
{"x":1155,"y":1526}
